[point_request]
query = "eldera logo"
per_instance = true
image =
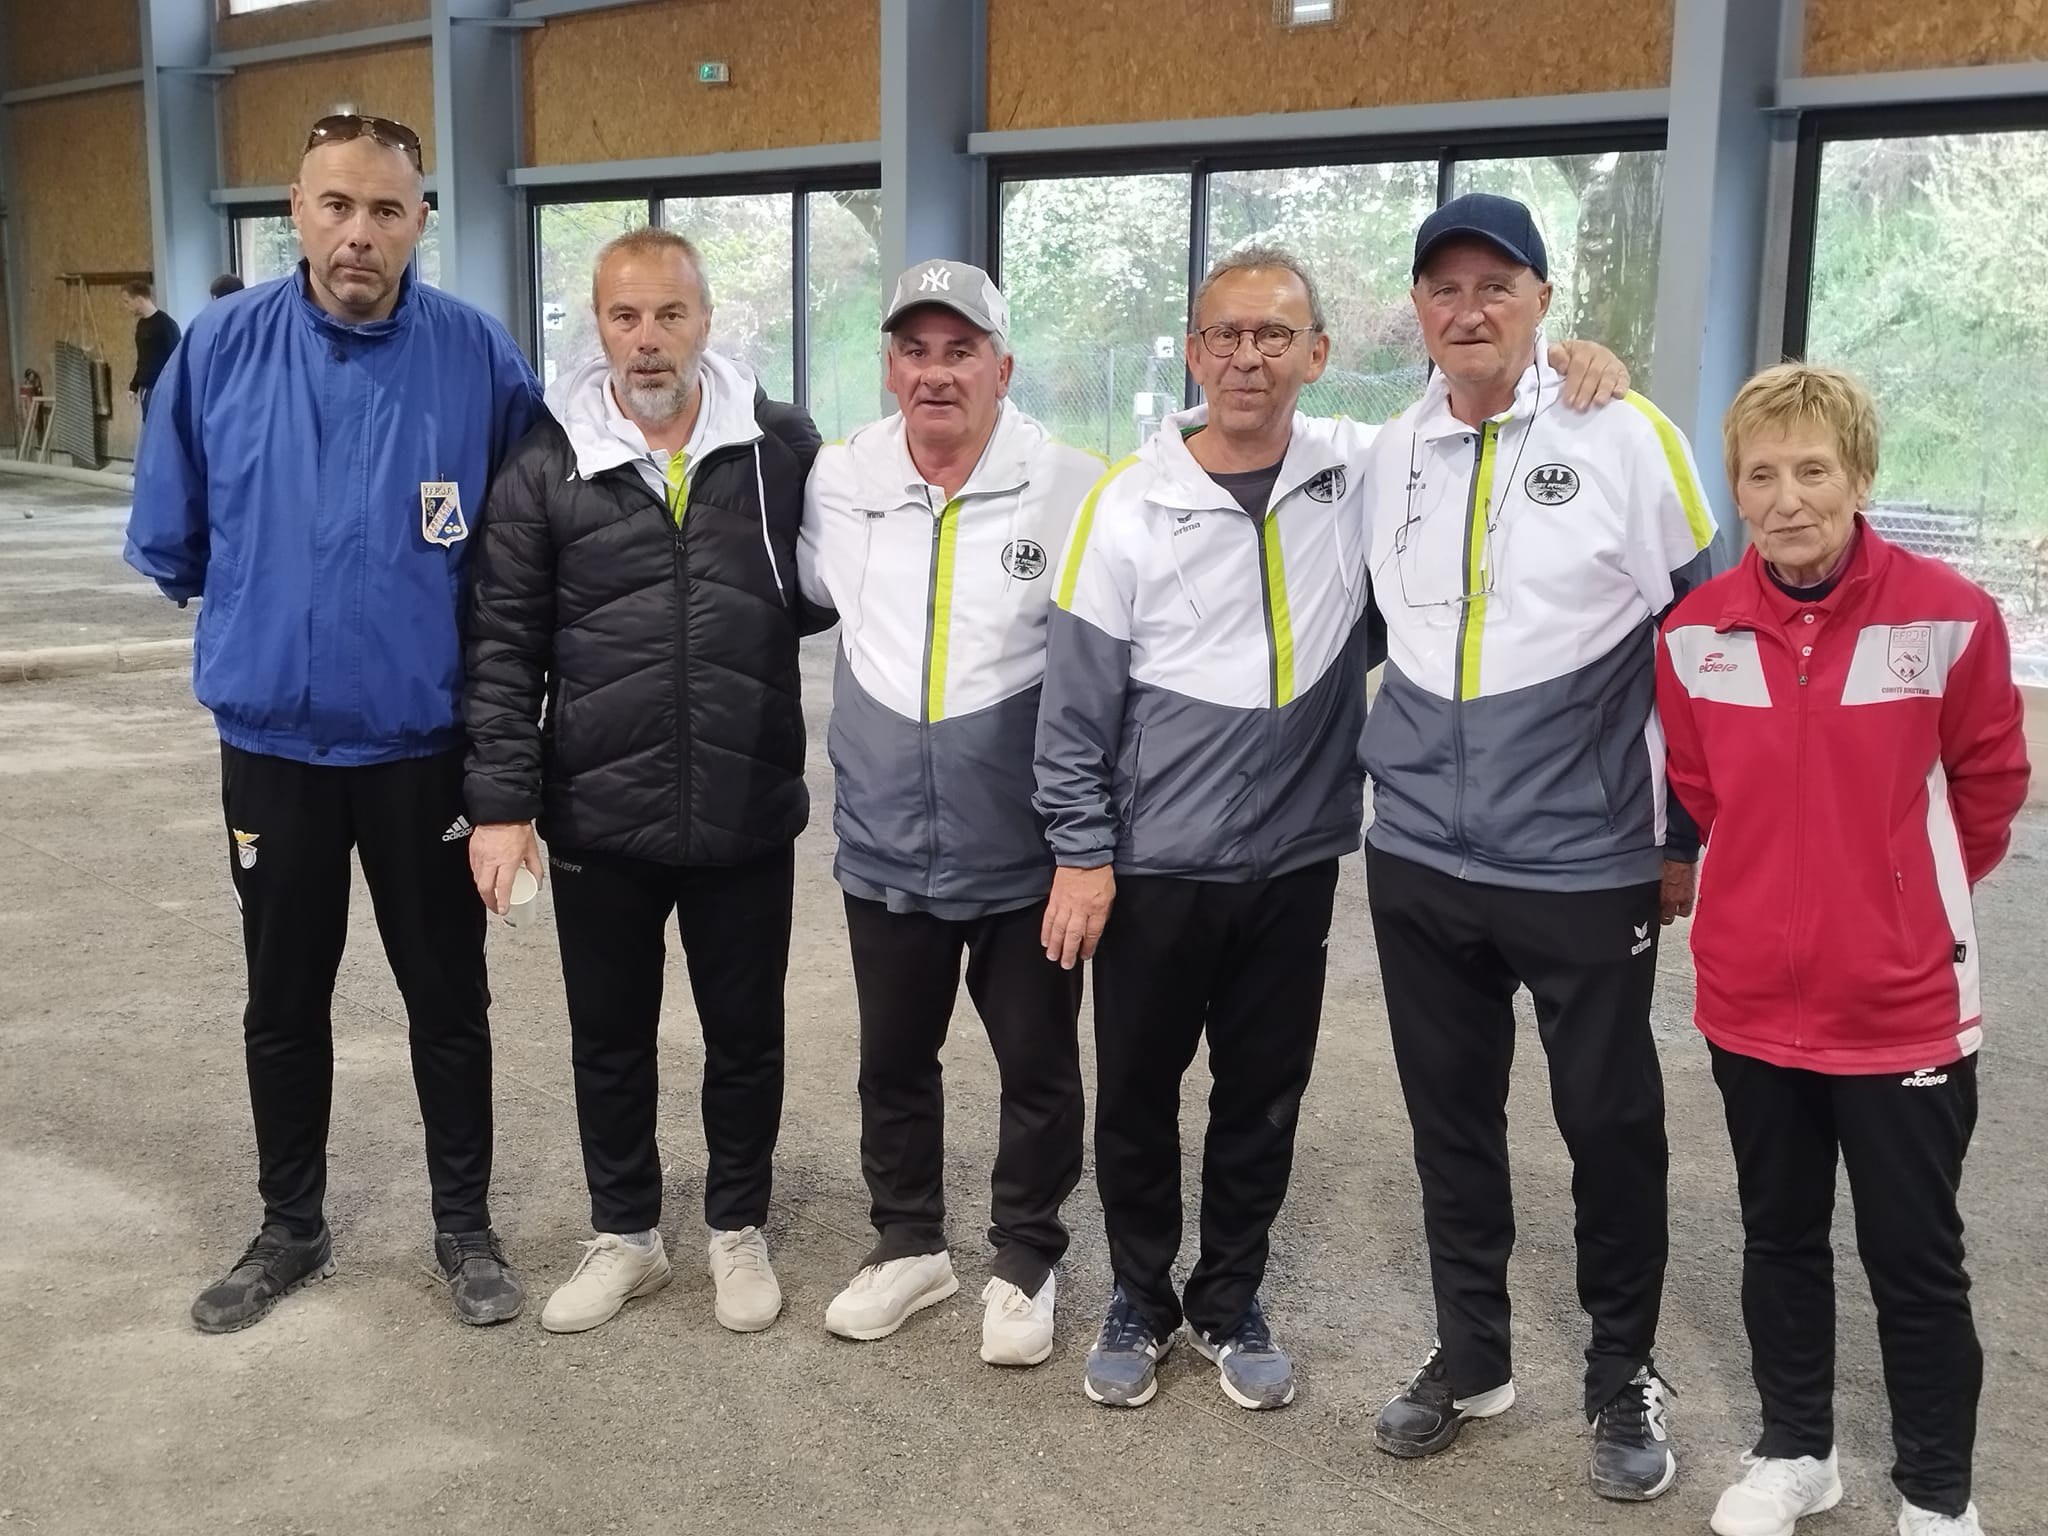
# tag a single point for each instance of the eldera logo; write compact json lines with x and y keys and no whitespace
{"x":1924,"y":1077}
{"x":1717,"y":661}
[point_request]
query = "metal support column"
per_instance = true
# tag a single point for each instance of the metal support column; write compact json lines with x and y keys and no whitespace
{"x":934,"y":66}
{"x":188,"y":237}
{"x":477,"y":137}
{"x":1717,"y":170}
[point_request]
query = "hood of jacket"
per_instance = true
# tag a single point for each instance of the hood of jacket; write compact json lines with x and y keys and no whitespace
{"x":579,"y":404}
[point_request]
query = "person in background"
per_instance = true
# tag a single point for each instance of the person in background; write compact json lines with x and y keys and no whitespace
{"x":1843,"y":724}
{"x":932,"y":532}
{"x":633,"y":686}
{"x":319,"y":455}
{"x":225,"y":284}
{"x":156,"y":338}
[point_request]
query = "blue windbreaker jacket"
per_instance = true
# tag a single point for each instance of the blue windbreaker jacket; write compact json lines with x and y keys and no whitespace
{"x":295,"y":474}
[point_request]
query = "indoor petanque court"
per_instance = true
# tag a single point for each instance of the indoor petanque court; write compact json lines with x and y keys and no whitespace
{"x":903,"y":223}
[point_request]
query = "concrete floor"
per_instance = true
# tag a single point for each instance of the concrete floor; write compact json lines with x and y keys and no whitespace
{"x":127,"y":1181}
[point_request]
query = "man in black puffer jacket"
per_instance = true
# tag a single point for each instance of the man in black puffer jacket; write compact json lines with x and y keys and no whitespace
{"x":637,"y":573}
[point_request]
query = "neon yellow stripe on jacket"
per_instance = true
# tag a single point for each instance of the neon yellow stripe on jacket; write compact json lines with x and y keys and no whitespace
{"x":1276,"y":603}
{"x":1077,"y":545}
{"x":942,"y":611}
{"x":1697,"y":517}
{"x":1477,"y":576}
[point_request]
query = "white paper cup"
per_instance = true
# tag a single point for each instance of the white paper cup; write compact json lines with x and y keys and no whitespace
{"x":522,"y":906}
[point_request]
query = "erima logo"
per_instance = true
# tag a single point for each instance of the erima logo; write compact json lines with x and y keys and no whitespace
{"x":1716,"y":661}
{"x":1642,"y":939}
{"x":1328,"y":486}
{"x":1924,"y":1078}
{"x":458,"y":831}
{"x":1025,"y":559}
{"x":936,"y":280}
{"x":1552,"y":484}
{"x":1187,"y":522}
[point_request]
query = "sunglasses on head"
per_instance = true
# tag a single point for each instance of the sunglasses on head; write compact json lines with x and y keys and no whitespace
{"x":343,"y":127}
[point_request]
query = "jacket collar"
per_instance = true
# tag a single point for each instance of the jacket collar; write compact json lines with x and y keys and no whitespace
{"x":1757,"y":600}
{"x":393,"y":324}
{"x":583,"y":406}
{"x":881,"y":453}
{"x":1539,"y":386}
{"x":1183,"y":483}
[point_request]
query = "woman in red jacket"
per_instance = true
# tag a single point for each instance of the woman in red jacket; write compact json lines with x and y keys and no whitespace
{"x":1842,"y":722}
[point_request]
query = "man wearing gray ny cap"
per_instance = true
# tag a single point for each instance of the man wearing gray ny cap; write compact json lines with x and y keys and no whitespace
{"x":933,"y":534}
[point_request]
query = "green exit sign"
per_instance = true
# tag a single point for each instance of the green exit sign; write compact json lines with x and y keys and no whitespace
{"x":714,"y":72}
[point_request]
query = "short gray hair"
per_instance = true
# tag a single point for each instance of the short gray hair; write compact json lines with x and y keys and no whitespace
{"x":648,"y":241}
{"x":1259,"y":258}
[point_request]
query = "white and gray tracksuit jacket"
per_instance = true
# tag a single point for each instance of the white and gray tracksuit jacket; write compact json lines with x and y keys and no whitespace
{"x":1521,"y":567}
{"x":942,"y":609}
{"x":1205,"y":672}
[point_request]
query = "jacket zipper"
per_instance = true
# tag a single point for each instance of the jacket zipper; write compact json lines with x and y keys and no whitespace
{"x":924,"y":710}
{"x":1471,"y":617}
{"x":1802,"y":670}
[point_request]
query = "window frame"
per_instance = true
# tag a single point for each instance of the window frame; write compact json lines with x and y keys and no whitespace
{"x":795,"y":185}
{"x":1448,"y":150}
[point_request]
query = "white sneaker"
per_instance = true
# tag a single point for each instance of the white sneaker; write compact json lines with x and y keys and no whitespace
{"x":748,"y":1297}
{"x":1915,"y":1521}
{"x":1774,"y":1492}
{"x":611,"y":1273}
{"x":1016,"y":1329}
{"x":883,"y":1295}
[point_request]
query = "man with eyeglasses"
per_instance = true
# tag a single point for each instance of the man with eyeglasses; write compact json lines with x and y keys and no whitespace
{"x":318,"y":457}
{"x":1197,"y":765}
{"x":1522,"y":556}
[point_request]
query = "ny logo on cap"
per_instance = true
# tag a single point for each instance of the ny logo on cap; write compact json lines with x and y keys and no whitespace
{"x":936,"y":280}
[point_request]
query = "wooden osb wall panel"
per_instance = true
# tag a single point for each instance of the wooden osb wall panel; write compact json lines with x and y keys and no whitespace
{"x":78,"y":221}
{"x":1858,"y":37}
{"x":47,"y":41}
{"x":315,"y":18}
{"x":265,"y":109}
{"x":621,"y":85}
{"x":1065,"y":63}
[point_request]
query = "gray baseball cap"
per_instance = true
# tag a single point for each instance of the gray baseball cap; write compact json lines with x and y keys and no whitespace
{"x":966,"y":290}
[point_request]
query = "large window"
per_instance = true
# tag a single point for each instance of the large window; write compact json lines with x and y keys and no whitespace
{"x":1922,"y":248}
{"x":1097,"y":267}
{"x":761,"y":249}
{"x":1096,"y":272}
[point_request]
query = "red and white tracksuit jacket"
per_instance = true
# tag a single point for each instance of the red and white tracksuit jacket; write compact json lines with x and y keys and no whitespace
{"x":1855,"y":765}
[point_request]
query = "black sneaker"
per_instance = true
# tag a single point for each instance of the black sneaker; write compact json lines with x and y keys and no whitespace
{"x":273,"y":1266}
{"x":1253,"y":1371}
{"x":480,"y":1282}
{"x":1632,"y":1456}
{"x":1424,"y":1417}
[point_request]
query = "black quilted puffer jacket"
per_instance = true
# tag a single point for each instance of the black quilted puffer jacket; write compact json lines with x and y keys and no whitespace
{"x":665,"y":655}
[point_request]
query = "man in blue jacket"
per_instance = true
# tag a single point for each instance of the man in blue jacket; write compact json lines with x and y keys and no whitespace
{"x":322,"y":448}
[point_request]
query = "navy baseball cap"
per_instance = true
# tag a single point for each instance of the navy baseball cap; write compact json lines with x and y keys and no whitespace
{"x":1500,"y":221}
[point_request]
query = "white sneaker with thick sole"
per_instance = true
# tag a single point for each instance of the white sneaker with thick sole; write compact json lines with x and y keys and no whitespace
{"x":611,"y":1273}
{"x":1915,"y":1521}
{"x":748,"y":1297}
{"x":883,"y":1295}
{"x":1016,"y":1329}
{"x":1774,"y":1492}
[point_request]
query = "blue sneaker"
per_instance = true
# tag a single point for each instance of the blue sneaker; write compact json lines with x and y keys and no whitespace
{"x":1123,"y":1365}
{"x":1253,"y":1370}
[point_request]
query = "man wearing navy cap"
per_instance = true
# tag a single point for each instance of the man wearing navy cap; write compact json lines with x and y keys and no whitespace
{"x":1522,"y":556}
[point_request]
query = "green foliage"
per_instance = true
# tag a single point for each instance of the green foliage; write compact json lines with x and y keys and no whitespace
{"x":1919,"y":288}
